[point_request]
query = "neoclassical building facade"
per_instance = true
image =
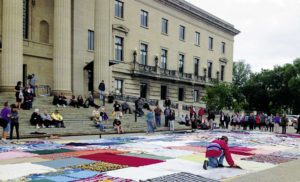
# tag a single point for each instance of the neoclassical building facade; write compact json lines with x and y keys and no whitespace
{"x":152,"y":49}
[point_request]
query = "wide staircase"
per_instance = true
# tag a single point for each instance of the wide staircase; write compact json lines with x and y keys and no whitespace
{"x":77,"y":120}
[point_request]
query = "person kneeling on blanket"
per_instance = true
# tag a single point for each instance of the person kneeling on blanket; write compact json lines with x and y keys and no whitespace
{"x":216,"y":151}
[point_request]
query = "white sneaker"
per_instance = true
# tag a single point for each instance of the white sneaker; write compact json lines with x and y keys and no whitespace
{"x":37,"y":127}
{"x":64,"y":105}
{"x":57,"y":105}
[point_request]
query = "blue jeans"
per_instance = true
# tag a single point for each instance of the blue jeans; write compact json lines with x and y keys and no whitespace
{"x":101,"y":93}
{"x":215,"y":161}
{"x":157,"y":120}
{"x":150,"y":128}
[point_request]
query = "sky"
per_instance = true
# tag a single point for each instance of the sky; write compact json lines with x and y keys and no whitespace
{"x":270,"y":29}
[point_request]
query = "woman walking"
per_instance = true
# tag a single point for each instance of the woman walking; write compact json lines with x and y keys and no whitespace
{"x":150,"y":121}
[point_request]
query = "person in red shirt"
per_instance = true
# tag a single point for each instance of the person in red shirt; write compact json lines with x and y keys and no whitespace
{"x":216,"y":151}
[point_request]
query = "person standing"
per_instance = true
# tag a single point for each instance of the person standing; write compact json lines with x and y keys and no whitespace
{"x":32,"y":83}
{"x":211,"y":118}
{"x":216,"y":151}
{"x":101,"y":90}
{"x":298,"y":125}
{"x":158,"y":112}
{"x":276,"y":123}
{"x":117,"y":109}
{"x":222,"y":120}
{"x":5,"y":113}
{"x":168,"y":102}
{"x":172,"y":120}
{"x":227,"y":120}
{"x":150,"y":121}
{"x":201,"y":113}
{"x":19,"y":94}
{"x":14,"y":121}
{"x":284,"y":123}
{"x":251,"y":121}
{"x":167,"y":112}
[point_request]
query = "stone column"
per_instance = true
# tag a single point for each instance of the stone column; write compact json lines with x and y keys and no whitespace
{"x":102,"y":44}
{"x":12,"y":45}
{"x":62,"y":47}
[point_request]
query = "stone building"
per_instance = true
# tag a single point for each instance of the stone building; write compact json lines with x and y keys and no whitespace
{"x":147,"y":48}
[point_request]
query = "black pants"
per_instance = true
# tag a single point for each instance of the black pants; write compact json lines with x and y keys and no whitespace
{"x":227,"y":124}
{"x":271,"y":126}
{"x":283,"y":129}
{"x":12,"y":125}
{"x":56,"y":123}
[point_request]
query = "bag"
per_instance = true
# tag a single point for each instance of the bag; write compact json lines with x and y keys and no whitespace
{"x":21,"y":95}
{"x":121,"y":114}
{"x":3,"y":123}
{"x":113,"y":114}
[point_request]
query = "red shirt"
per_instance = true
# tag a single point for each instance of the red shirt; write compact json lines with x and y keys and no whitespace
{"x":214,"y":149}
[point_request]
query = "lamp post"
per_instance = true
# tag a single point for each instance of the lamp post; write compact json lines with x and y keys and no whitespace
{"x":156,"y":62}
{"x":134,"y":59}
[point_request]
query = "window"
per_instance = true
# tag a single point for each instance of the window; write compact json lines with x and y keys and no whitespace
{"x":197,"y":38}
{"x":196,"y":95}
{"x":181,"y":32}
{"x":210,"y":43}
{"x":144,"y":54}
{"x":181,"y":63}
{"x":163,"y":92}
{"x":119,"y":8}
{"x":164,"y":54}
{"x":164,"y":26}
{"x":118,"y":48}
{"x":196,"y":64}
{"x":143,"y":90}
{"x":180,"y":94}
{"x":222,"y":72}
{"x":25,"y":18}
{"x":144,"y":18}
{"x":119,"y":86}
{"x":223,"y":47}
{"x":90,"y":40}
{"x":209,"y":69}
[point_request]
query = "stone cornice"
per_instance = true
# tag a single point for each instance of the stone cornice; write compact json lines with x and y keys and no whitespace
{"x":194,"y":11}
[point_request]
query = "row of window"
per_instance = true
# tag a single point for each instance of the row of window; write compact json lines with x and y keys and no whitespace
{"x":163,"y":91}
{"x":144,"y":16}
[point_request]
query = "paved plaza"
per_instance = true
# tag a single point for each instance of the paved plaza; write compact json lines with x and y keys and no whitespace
{"x":165,"y":156}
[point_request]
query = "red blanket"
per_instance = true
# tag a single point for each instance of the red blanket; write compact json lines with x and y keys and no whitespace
{"x":121,"y":159}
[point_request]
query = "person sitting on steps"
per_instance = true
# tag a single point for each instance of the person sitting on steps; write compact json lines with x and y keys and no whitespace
{"x":90,"y":102}
{"x":46,"y":119}
{"x":36,"y":119}
{"x":57,"y":119}
{"x":118,"y":126}
{"x":73,"y":102}
{"x":62,"y":100}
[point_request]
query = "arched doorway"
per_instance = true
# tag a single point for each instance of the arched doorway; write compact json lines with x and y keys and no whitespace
{"x":89,"y":74}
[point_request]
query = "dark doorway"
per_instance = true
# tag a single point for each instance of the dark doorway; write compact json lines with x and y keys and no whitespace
{"x":90,"y":70}
{"x":25,"y":76}
{"x":163,"y":92}
{"x":143,"y":90}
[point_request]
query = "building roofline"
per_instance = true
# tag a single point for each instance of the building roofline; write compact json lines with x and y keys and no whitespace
{"x":197,"y":12}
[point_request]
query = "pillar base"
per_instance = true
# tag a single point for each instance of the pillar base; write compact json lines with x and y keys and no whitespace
{"x":7,"y":89}
{"x":65,"y":92}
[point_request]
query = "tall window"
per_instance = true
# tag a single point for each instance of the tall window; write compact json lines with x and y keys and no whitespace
{"x":223,"y":45}
{"x":196,"y":95}
{"x":209,"y":69}
{"x":164,"y":26}
{"x":144,"y":18}
{"x":163,"y":92}
{"x":118,"y":48}
{"x":222,"y":72}
{"x":144,"y":54}
{"x":197,"y":38}
{"x":119,"y":86}
{"x":181,"y":32}
{"x":25,"y":18}
{"x":210,"y":43}
{"x":196,"y":64}
{"x":90,"y":40}
{"x":164,"y":54}
{"x":180,"y":94}
{"x":143,"y":90}
{"x":181,"y":63}
{"x":119,"y":9}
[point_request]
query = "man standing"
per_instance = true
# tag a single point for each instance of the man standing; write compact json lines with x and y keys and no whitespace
{"x":211,"y":119}
{"x":168,"y":102}
{"x":32,"y":83}
{"x":101,"y":90}
{"x":158,"y":112}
